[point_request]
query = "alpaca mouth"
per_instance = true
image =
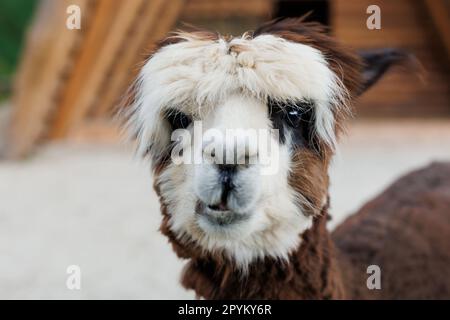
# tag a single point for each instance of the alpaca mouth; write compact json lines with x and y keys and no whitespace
{"x":218,"y":214}
{"x":218,"y":207}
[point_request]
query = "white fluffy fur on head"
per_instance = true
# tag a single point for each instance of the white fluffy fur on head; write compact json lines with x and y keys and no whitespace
{"x":228,"y":83}
{"x":196,"y":74}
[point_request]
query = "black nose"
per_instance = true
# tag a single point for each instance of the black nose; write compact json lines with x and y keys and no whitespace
{"x":226,"y":172}
{"x":231,"y":168}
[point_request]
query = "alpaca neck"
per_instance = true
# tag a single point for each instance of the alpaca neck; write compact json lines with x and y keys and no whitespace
{"x":310,"y":273}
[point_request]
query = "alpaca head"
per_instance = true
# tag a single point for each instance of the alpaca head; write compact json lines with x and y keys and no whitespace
{"x":280,"y":93}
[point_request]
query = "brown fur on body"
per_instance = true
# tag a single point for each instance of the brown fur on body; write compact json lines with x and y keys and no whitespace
{"x":406,"y":232}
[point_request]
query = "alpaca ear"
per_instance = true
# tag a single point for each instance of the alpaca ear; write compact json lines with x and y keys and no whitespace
{"x":377,"y":62}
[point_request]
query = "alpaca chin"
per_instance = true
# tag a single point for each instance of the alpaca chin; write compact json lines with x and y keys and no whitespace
{"x":309,"y":272}
{"x":269,"y":228}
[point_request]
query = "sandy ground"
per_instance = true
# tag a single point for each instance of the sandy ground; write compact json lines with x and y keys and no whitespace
{"x":94,"y":206}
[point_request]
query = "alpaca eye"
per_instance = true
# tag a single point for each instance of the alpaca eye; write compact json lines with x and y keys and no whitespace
{"x":178,"y":119}
{"x":293,"y":117}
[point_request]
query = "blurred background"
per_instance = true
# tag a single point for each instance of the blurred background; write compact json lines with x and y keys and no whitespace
{"x":71,"y":192}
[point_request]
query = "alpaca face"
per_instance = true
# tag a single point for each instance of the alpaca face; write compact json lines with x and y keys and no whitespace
{"x":263,"y":83}
{"x":234,"y":207}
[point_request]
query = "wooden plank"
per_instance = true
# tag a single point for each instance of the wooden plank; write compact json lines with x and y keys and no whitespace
{"x":227,"y":8}
{"x":90,"y":53}
{"x":46,"y":61}
{"x":38,"y":42}
{"x":111,"y":45}
{"x":404,"y":24}
{"x":124,"y":68}
{"x":440,"y":13}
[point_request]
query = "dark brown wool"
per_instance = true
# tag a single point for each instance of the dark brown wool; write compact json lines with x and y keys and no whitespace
{"x":405,"y":231}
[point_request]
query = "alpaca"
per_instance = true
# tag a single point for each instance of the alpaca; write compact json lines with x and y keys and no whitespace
{"x":247,"y":235}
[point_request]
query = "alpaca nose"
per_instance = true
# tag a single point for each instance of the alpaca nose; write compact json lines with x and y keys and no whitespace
{"x":226,"y":173}
{"x":225,"y":179}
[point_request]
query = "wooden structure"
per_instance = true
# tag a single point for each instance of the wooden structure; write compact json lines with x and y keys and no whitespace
{"x":70,"y":80}
{"x":406,"y":24}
